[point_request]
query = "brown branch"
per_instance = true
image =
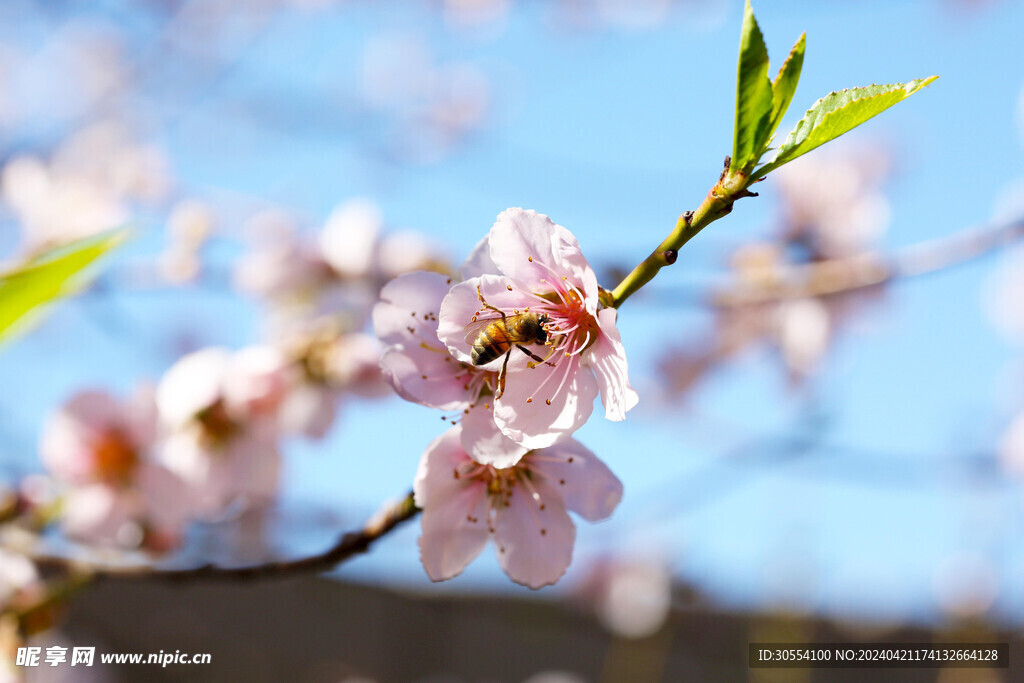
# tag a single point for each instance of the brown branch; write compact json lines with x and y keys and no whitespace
{"x":352,"y":543}
{"x":838,"y":276}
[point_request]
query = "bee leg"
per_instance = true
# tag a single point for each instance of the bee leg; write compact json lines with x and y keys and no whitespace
{"x":501,"y":375}
{"x":531,"y":354}
{"x":479,"y":295}
{"x":537,"y":358}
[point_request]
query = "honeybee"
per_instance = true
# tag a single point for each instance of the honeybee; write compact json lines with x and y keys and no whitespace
{"x":491,"y":337}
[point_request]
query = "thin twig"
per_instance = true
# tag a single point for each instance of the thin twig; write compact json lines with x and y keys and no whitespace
{"x":838,"y":276}
{"x":717,"y":203}
{"x":352,"y":543}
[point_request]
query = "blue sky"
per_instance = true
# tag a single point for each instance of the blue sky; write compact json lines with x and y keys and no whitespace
{"x":613,"y":133}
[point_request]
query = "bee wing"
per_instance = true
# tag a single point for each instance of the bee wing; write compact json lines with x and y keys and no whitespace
{"x":474,"y":328}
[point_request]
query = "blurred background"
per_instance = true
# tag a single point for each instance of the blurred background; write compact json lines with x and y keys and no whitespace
{"x":830,"y":435}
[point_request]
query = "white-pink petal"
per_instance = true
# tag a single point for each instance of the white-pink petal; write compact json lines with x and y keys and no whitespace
{"x":479,"y":261}
{"x":454,"y":531}
{"x":607,"y":358}
{"x":454,"y":521}
{"x":435,"y":481}
{"x":586,"y":484}
{"x":98,"y":514}
{"x":534,"y":537}
{"x":349,"y":238}
{"x":427,"y":376}
{"x":529,"y":246}
{"x":66,"y":444}
{"x":192,"y":384}
{"x":410,"y":301}
{"x":523,"y":413}
{"x":309,"y":410}
{"x":485,"y":443}
{"x":256,"y":382}
{"x":166,"y":499}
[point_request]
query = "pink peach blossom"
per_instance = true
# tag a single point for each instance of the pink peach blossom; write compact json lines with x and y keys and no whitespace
{"x":327,"y":367}
{"x":221,"y":414}
{"x":101,"y":449}
{"x":422,"y":370}
{"x":541,"y":270}
{"x":524,"y":507}
{"x":418,"y":365}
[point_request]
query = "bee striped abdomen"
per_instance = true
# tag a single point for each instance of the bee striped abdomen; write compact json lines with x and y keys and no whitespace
{"x":492,"y":342}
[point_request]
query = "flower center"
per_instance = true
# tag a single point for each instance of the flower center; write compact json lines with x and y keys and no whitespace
{"x":571,"y":328}
{"x":114,"y":456}
{"x":218,"y":426}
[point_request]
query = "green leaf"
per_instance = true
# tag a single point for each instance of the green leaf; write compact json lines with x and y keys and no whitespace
{"x":837,"y":113}
{"x":785,"y":82}
{"x":753,"y":96}
{"x":48,"y":277}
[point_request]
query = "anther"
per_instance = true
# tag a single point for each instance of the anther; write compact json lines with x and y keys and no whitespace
{"x":529,"y":400}
{"x":508,"y":287}
{"x":530,"y":259}
{"x":543,"y":532}
{"x":548,"y":401}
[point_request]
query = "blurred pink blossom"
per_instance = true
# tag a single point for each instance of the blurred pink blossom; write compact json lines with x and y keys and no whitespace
{"x":833,"y":201}
{"x":327,"y":368}
{"x":349,"y":237}
{"x":334,"y":279}
{"x":220,"y":410}
{"x":89,"y":185}
{"x":102,"y":450}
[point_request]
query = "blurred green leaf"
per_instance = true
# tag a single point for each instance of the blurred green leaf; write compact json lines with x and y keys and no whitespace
{"x":837,"y":113}
{"x":50,"y":276}
{"x":785,"y":82}
{"x":753,"y":96}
